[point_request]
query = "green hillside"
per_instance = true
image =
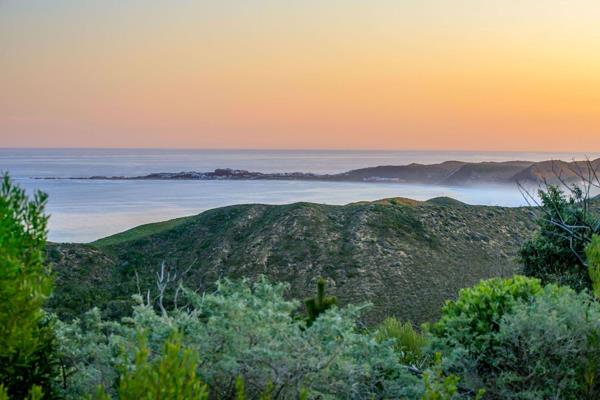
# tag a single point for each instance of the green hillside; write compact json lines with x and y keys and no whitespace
{"x":139,"y":232}
{"x":405,"y":257}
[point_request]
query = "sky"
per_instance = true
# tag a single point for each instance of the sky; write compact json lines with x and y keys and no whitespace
{"x":506,"y":75}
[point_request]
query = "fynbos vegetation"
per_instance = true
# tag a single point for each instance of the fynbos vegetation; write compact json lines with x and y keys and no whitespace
{"x":404,"y":257}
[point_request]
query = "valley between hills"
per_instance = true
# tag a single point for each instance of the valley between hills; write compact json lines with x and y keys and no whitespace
{"x":405,"y":257}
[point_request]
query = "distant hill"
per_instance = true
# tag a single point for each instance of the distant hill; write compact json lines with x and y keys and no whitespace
{"x":488,"y":172}
{"x":551,"y":170}
{"x":449,"y":173}
{"x":431,"y":173}
{"x":404,"y":256}
{"x":457,"y":173}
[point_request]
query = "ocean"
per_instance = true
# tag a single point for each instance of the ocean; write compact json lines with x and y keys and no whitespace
{"x":84,"y":210}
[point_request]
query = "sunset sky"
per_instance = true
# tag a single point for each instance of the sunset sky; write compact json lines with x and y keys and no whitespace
{"x":393,"y":74}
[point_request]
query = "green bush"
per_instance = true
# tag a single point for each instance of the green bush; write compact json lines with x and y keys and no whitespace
{"x":442,"y":386}
{"x":87,"y":357}
{"x":26,"y":336}
{"x":548,"y":349}
{"x":247,"y":332}
{"x":557,"y":252}
{"x":517,"y":340}
{"x":471,"y":321}
{"x":407,"y":342}
{"x":171,"y":376}
{"x":438,"y":385}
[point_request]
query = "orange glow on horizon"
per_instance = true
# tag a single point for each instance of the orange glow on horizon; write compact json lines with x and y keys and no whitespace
{"x":455,"y":75}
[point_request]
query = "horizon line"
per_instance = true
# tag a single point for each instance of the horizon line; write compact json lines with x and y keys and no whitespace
{"x":293,"y":149}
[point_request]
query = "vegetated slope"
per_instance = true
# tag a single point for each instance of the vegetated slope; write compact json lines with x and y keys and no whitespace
{"x":404,"y":256}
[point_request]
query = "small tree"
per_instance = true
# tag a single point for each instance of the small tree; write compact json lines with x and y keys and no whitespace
{"x":26,"y":337}
{"x":567,"y":215}
{"x":556,"y":254}
{"x":319,"y":304}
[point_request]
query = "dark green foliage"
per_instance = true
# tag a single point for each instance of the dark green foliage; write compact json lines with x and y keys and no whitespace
{"x":557,"y":253}
{"x":319,"y":304}
{"x":35,"y":393}
{"x":26,"y":336}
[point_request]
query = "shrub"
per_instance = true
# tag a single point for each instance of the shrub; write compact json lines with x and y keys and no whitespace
{"x":466,"y":332}
{"x":407,"y":342}
{"x":248,"y":332}
{"x":557,"y":252}
{"x":26,"y":337}
{"x":172,"y":375}
{"x":88,"y":357}
{"x":548,"y":349}
{"x":439,"y":386}
{"x":471,"y":321}
{"x":519,"y":341}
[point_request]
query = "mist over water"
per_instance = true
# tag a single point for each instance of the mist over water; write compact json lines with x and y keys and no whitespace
{"x":83,"y":211}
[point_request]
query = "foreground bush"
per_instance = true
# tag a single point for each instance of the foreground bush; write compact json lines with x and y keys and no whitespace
{"x":471,"y":321}
{"x":518,"y":340}
{"x":26,"y":337}
{"x":548,"y":349}
{"x":466,"y":332}
{"x":171,"y":376}
{"x":244,"y":331}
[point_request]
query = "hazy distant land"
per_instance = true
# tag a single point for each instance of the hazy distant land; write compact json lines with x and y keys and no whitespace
{"x":448,"y":173}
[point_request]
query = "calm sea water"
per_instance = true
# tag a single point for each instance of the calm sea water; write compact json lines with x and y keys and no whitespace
{"x":82,"y":211}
